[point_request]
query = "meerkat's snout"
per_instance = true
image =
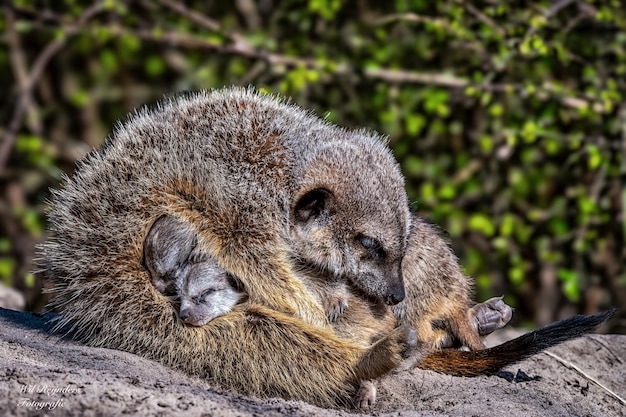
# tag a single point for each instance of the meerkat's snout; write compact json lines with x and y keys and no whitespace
{"x":395,"y":293}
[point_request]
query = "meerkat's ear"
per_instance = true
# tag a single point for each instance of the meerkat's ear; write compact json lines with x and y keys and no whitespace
{"x":313,"y":205}
{"x":167,"y":246}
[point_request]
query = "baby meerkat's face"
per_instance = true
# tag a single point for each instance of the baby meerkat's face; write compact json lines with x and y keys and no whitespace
{"x":205,"y":292}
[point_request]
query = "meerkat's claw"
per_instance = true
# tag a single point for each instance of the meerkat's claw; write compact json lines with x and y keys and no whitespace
{"x":335,"y":307}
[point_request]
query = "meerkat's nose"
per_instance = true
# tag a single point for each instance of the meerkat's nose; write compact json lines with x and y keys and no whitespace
{"x":185,"y":316}
{"x":395,"y":296}
{"x":395,"y":292}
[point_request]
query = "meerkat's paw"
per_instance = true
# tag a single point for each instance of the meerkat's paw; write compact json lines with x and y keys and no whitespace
{"x":366,"y":395}
{"x":490,"y":315}
{"x":403,"y":339}
{"x":387,"y":354}
{"x":334,"y":307}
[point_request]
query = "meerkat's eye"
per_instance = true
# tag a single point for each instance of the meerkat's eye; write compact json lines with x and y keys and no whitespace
{"x":372,"y":246}
{"x":206,"y":293}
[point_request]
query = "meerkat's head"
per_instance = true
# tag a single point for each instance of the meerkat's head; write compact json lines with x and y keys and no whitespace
{"x":350,"y":217}
{"x":206,"y":292}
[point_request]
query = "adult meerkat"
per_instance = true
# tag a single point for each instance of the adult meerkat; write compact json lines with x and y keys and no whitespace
{"x":230,"y":163}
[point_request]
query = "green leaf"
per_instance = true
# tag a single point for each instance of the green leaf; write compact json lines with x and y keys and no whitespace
{"x":496,"y":110}
{"x":28,"y":144}
{"x":325,"y":8}
{"x":427,"y":192}
{"x":571,"y":284}
{"x":482,"y":223}
{"x":529,"y":131}
{"x":7,"y":266}
{"x":5,"y":245}
{"x":109,"y":60}
{"x":507,"y":224}
{"x":414,"y":124}
{"x":29,"y":280}
{"x":595,"y":157}
{"x":558,"y":226}
{"x":412,"y":166}
{"x":486,"y":143}
{"x":80,"y":98}
{"x":516,"y":275}
{"x":32,"y":222}
{"x":155,"y":66}
{"x":501,"y":244}
{"x":447,"y":192}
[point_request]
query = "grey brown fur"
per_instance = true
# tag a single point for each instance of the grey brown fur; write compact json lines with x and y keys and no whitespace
{"x":245,"y":170}
{"x":265,"y":186}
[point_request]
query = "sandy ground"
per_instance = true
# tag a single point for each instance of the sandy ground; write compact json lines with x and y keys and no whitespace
{"x":42,"y":375}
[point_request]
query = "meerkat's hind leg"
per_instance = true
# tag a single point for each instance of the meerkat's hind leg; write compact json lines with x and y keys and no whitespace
{"x":366,"y":395}
{"x":490,"y":315}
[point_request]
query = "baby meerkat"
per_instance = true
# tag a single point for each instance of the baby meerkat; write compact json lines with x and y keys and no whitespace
{"x":177,"y":267}
{"x":206,"y":291}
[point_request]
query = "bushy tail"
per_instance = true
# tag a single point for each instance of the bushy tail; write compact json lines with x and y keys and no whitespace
{"x":488,"y":361}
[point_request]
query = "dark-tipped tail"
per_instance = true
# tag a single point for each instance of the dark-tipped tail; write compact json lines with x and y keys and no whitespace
{"x":488,"y":361}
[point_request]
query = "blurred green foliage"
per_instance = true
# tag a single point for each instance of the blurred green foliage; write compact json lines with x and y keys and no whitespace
{"x":508,"y":118}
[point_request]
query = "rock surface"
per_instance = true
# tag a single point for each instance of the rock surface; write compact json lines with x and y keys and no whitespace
{"x":11,"y":298}
{"x":41,"y":374}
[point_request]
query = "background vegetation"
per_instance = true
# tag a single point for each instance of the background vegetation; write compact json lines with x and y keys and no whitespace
{"x":509,"y":118}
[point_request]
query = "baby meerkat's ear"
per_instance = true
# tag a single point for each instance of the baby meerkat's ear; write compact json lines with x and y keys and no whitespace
{"x":166,"y":249}
{"x":315,"y":205}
